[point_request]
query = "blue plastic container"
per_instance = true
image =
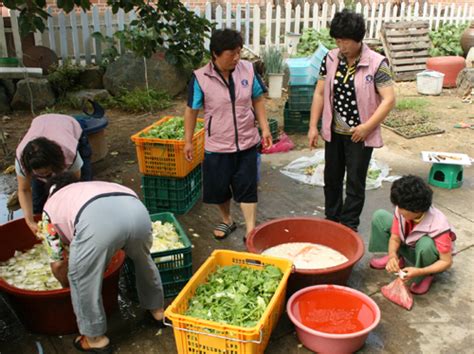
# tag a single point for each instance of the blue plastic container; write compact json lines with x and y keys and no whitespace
{"x":91,"y":125}
{"x":305,"y":71}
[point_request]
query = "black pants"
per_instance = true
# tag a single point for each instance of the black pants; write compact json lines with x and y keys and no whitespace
{"x":342,"y":154}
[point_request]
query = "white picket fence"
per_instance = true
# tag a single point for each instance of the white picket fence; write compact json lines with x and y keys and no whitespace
{"x":69,"y":35}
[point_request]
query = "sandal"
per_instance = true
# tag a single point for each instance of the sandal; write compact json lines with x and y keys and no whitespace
{"x":81,"y":344}
{"x":225,"y":228}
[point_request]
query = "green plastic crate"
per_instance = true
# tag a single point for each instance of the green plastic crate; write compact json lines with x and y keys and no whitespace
{"x":300,"y":98}
{"x":175,"y":266}
{"x":177,"y":195}
{"x":296,"y":121}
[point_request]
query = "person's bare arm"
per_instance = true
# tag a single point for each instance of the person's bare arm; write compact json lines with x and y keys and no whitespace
{"x":190,"y":118}
{"x":316,"y":111}
{"x":25,"y":197}
{"x":361,"y":132}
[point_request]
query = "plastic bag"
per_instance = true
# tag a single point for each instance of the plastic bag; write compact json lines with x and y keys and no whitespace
{"x":310,"y":170}
{"x":283,"y":145}
{"x":398,"y":293}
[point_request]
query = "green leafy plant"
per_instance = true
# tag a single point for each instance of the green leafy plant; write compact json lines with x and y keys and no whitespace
{"x":235,"y":295}
{"x":139,"y":100}
{"x":416,"y":104}
{"x":273,"y":61}
{"x":447,"y":40}
{"x":110,"y":53}
{"x":65,"y":78}
{"x":310,"y":40}
{"x":171,"y":129}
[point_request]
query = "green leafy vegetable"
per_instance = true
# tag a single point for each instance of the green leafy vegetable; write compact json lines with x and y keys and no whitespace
{"x":447,"y":40}
{"x":310,"y":40}
{"x":171,"y":129}
{"x":235,"y":295}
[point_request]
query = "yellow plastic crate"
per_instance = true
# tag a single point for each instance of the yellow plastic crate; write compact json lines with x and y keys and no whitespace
{"x":165,"y":157}
{"x":193,"y":335}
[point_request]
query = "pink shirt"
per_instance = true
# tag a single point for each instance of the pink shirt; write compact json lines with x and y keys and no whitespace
{"x":443,"y":242}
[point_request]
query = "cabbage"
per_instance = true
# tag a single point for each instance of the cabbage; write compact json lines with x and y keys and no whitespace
{"x":165,"y":237}
{"x":30,"y":270}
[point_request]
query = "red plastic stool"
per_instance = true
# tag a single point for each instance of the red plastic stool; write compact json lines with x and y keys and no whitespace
{"x":450,"y":66}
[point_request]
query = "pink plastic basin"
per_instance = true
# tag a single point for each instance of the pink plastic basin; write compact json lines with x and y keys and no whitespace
{"x":49,"y":311}
{"x":332,"y":318}
{"x":315,"y":230}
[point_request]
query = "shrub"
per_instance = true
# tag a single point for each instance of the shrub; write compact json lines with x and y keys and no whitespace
{"x":447,"y":40}
{"x":65,"y":78}
{"x":140,"y":100}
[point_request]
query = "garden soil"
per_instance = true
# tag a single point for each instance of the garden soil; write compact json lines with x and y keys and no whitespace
{"x":448,"y":306}
{"x":121,"y":164}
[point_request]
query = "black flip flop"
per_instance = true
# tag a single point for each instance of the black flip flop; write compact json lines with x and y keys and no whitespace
{"x":77,"y":342}
{"x":225,"y":228}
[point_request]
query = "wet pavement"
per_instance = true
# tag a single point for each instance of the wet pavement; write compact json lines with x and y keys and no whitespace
{"x":440,"y":322}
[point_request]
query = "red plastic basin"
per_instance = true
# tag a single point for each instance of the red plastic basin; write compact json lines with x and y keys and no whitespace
{"x":49,"y":312}
{"x":310,"y":229}
{"x":450,"y":66}
{"x":332,"y":319}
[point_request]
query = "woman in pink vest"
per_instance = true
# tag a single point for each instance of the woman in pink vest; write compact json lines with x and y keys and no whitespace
{"x":54,"y":143}
{"x":231,"y":94}
{"x":416,"y":232}
{"x":353,"y":96}
{"x":93,"y":220}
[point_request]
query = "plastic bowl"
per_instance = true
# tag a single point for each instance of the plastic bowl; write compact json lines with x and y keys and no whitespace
{"x":49,"y":312}
{"x":332,"y":318}
{"x":310,"y":229}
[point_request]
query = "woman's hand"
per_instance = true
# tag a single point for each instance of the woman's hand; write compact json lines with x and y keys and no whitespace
{"x":60,"y":270}
{"x":392,"y":265}
{"x":411,"y":272}
{"x":313,"y":137}
{"x":266,"y":138}
{"x":188,"y":151}
{"x":33,"y":226}
{"x":359,"y":133}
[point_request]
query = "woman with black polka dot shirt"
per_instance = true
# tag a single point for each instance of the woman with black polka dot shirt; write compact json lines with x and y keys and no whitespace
{"x":354,"y":94}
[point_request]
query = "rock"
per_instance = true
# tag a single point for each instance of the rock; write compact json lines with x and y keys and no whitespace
{"x":78,"y":97}
{"x":128,"y":73}
{"x":4,"y":100}
{"x":43,"y":95}
{"x":465,"y":81}
{"x":92,"y":78}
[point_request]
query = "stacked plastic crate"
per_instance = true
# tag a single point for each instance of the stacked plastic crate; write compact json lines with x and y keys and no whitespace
{"x":169,"y":181}
{"x":304,"y":74}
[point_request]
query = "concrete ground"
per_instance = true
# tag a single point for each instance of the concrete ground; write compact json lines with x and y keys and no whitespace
{"x":440,"y":322}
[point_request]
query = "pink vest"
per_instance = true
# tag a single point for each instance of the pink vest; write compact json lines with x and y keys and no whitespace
{"x":366,"y":94}
{"x":228,"y":129}
{"x":65,"y":206}
{"x":60,"y":128}
{"x":433,"y":224}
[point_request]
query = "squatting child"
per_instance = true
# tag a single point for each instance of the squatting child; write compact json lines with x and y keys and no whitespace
{"x":417,"y":232}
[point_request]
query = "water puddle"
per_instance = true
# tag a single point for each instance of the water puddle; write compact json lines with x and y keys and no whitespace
{"x":7,"y":186}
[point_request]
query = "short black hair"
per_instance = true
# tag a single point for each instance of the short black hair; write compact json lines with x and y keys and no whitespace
{"x":61,"y":180}
{"x":42,"y":153}
{"x":411,"y":193}
{"x":347,"y":25}
{"x":225,"y":39}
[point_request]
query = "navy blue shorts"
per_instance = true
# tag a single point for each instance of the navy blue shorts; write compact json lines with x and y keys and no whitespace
{"x":227,"y":175}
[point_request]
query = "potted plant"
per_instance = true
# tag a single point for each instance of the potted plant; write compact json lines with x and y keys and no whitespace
{"x":274,"y":70}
